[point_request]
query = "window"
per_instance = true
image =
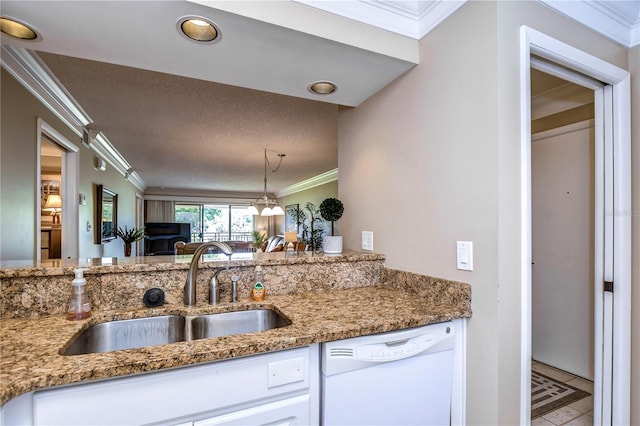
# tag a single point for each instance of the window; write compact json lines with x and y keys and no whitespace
{"x":214,"y":222}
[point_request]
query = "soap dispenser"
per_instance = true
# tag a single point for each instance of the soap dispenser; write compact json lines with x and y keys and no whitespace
{"x":79,"y":306}
{"x":258,"y":292}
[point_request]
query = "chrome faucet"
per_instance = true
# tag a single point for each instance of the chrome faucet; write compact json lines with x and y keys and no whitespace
{"x":190,"y":286}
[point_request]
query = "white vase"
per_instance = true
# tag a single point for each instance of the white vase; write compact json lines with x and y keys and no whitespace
{"x":332,"y":244}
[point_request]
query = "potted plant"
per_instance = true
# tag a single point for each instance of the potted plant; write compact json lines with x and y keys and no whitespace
{"x":130,"y":236}
{"x":331,"y":210}
{"x":258,"y":239}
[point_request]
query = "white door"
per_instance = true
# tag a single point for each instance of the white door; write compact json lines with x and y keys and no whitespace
{"x":562,"y":284}
{"x":604,"y":276}
{"x":603,"y":251}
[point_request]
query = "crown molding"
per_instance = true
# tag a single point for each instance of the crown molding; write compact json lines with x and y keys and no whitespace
{"x":26,"y":67}
{"x":330,"y":176}
{"x":622,"y":26}
{"x":412,"y":19}
{"x":620,"y":21}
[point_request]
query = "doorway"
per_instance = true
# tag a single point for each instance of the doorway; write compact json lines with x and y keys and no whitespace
{"x":51,"y":156}
{"x":56,"y":222}
{"x":612,"y":310}
{"x":563,"y":228}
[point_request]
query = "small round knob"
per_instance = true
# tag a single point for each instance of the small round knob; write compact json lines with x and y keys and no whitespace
{"x":153,"y":297}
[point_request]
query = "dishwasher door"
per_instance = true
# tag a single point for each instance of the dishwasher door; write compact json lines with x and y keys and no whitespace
{"x":397,"y":378}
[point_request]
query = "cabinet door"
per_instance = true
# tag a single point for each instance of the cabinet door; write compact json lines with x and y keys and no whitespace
{"x":292,"y":411}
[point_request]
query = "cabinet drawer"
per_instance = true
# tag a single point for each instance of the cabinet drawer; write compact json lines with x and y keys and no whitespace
{"x":291,"y":411}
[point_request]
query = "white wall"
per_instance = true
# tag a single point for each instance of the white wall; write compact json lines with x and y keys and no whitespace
{"x":562,"y":181}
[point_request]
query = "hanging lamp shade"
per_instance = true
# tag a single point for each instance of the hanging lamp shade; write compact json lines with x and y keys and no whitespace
{"x":277,"y":211}
{"x":252,"y":210}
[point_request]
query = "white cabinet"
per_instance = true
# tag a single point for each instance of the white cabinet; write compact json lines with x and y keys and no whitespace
{"x":273,"y":388}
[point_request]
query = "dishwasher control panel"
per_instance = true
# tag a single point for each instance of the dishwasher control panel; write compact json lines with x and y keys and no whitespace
{"x":393,"y":350}
{"x":360,"y":352}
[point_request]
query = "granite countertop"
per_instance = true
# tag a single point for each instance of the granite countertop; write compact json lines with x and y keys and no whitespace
{"x":31,"y":347}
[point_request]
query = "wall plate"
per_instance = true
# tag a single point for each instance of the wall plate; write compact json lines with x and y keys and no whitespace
{"x":464,"y":255}
{"x":367,"y":240}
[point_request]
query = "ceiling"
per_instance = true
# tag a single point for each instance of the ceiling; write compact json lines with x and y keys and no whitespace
{"x":190,"y":116}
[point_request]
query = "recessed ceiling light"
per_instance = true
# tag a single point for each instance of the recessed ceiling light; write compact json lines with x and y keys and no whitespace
{"x":322,"y":87}
{"x":17,"y":29}
{"x":198,"y":29}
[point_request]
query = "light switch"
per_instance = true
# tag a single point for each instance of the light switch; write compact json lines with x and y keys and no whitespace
{"x":464,"y":255}
{"x":367,"y":240}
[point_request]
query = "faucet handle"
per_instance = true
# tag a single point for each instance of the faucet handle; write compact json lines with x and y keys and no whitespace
{"x":234,"y":288}
{"x":214,"y":290}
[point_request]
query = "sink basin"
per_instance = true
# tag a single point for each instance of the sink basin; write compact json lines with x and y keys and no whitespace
{"x":228,"y":323}
{"x":142,"y":332}
{"x":129,"y":334}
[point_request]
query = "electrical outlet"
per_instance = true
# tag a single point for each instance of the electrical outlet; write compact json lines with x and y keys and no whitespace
{"x":367,"y":240}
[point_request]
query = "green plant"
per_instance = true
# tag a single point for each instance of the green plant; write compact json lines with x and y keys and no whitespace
{"x":258,"y":238}
{"x":298,"y":217}
{"x":331,"y":209}
{"x":130,"y":235}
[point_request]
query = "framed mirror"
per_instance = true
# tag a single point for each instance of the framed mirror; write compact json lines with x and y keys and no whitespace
{"x":106,"y":214}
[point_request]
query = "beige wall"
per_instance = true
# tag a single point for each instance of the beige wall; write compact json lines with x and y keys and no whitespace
{"x":418,"y":167}
{"x":435,"y":157}
{"x":20,"y":111}
{"x":634,"y":68}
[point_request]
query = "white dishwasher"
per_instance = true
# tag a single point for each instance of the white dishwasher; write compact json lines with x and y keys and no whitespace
{"x":398,"y":378}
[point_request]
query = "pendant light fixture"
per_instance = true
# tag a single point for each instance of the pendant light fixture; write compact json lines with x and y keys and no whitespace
{"x":271,"y":207}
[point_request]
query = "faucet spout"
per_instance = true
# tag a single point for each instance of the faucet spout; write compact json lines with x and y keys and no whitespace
{"x":190,"y":285}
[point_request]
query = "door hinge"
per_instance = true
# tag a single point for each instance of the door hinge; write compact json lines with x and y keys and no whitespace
{"x":608,"y":286}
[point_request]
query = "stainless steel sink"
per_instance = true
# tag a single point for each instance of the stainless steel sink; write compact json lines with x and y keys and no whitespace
{"x":239,"y":322}
{"x":142,"y":332}
{"x":129,"y":334}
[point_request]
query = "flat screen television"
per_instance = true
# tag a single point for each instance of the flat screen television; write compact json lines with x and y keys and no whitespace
{"x":161,"y":236}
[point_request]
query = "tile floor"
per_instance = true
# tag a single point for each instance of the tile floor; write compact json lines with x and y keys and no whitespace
{"x":579,"y":413}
